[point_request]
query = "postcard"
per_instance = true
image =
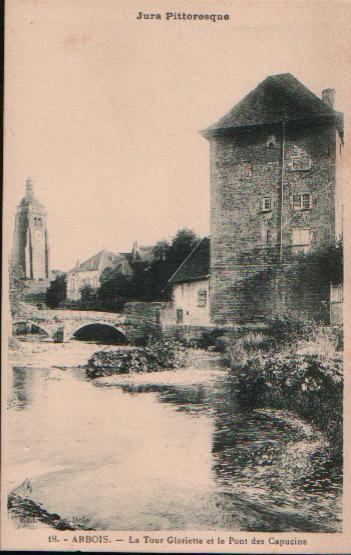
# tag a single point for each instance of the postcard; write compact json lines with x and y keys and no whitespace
{"x":175,"y":364}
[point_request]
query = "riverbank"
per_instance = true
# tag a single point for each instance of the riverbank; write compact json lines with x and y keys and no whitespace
{"x":192,"y":374}
{"x":296,"y":366}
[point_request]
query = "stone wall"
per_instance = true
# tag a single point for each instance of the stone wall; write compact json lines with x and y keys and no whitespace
{"x":196,"y":335}
{"x":144,"y":320}
{"x":246,"y":277}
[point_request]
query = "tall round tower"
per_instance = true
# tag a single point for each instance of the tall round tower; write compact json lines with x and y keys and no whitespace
{"x":30,"y":249}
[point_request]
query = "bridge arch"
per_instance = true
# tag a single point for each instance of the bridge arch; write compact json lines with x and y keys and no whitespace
{"x":32,"y":323}
{"x":98,"y":331}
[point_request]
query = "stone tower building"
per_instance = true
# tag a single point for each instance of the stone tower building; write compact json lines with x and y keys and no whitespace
{"x":275,"y":193}
{"x":30,"y":248}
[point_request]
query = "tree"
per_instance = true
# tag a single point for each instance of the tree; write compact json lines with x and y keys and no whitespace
{"x":56,"y":292}
{"x":17,"y":289}
{"x":325,"y":265}
{"x":147,"y":282}
{"x":168,"y":257}
{"x":87,"y":295}
{"x":115,"y":289}
{"x":182,"y":245}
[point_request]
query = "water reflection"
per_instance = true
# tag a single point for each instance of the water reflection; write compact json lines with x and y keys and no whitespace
{"x":26,"y":383}
{"x":280,"y":467}
{"x":164,"y":456}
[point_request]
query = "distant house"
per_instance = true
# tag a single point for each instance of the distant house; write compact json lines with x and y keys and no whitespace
{"x":190,"y":287}
{"x":89,"y":272}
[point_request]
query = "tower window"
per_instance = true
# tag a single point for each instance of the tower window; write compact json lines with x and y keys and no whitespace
{"x":300,"y":162}
{"x":302,"y":201}
{"x":306,"y":201}
{"x":266,"y":204}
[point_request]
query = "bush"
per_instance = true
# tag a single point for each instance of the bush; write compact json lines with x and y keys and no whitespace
{"x":250,"y":345}
{"x":309,"y":384}
{"x":208,"y":339}
{"x":290,"y":326}
{"x":155,"y":357}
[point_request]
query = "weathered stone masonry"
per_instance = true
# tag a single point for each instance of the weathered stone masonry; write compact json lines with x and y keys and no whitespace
{"x":253,"y":232}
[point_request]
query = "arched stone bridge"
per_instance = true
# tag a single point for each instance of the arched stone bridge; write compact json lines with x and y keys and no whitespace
{"x":63,"y":325}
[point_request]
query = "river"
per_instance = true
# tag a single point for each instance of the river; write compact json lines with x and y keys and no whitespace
{"x":171,"y":450}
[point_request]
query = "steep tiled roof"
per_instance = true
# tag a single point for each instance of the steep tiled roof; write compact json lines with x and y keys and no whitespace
{"x":196,"y":266}
{"x":102,"y":259}
{"x":277,"y":98}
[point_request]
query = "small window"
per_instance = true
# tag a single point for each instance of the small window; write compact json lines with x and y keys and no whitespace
{"x":302,"y":202}
{"x":301,"y":240}
{"x":300,"y":164}
{"x":202,"y":298}
{"x":297,"y":202}
{"x":267,"y":204}
{"x":306,"y":201}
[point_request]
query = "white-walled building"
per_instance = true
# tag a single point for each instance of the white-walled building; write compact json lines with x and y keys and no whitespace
{"x":191,"y":287}
{"x":88,"y":273}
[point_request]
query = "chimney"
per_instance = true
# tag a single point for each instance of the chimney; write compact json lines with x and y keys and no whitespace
{"x":328,"y":97}
{"x":135,"y":250}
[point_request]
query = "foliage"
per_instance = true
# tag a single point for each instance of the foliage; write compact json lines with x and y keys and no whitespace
{"x":115,"y":289}
{"x":56,"y":292}
{"x":324,"y":265}
{"x":87,"y":293}
{"x":147,"y":282}
{"x":209,"y":339}
{"x":17,"y":289}
{"x":168,"y":257}
{"x":290,"y":326}
{"x":310,"y":384}
{"x":154,"y":357}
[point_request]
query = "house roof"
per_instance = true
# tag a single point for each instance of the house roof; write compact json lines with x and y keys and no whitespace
{"x":277,"y":98}
{"x":146,"y":254}
{"x":196,"y":266}
{"x":101,"y":260}
{"x":105,"y":259}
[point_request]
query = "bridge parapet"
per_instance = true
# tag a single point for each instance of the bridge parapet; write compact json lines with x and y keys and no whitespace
{"x":61,"y":325}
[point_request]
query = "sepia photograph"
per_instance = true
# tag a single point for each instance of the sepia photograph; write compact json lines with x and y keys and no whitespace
{"x":174,"y":213}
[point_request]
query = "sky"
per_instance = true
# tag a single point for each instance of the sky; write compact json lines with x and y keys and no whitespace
{"x":103,"y":111}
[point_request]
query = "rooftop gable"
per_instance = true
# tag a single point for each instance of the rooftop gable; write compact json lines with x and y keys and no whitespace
{"x":99,"y":261}
{"x":278,"y":98}
{"x":196,"y":266}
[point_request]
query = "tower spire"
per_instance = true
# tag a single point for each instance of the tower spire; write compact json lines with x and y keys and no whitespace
{"x":29,"y":186}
